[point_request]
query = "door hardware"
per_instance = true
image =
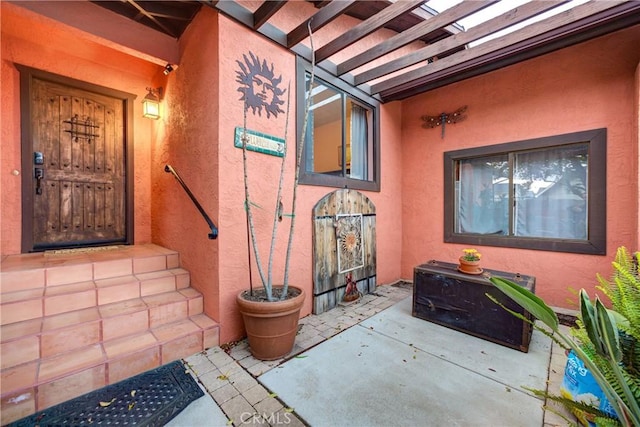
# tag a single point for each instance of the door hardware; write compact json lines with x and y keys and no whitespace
{"x":39,"y":175}
{"x":38,"y":158}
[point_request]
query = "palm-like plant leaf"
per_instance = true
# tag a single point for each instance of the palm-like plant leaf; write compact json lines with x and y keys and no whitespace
{"x":527,"y":300}
{"x":608,"y":332}
{"x":588,"y":317}
{"x":598,"y":341}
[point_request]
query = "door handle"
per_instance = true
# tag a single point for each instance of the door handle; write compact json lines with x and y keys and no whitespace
{"x":39,"y":175}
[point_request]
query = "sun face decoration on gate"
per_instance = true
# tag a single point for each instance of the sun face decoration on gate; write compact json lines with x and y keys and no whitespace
{"x":349,"y":242}
{"x":259,"y":86}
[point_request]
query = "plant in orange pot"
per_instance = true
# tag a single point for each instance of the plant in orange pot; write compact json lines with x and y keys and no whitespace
{"x":271,"y":314}
{"x":470,"y":262}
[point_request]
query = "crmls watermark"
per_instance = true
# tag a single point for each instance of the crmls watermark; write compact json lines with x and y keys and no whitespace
{"x":279,"y":418}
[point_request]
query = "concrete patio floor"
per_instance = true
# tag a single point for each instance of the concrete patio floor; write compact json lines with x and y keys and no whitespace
{"x":373,"y":364}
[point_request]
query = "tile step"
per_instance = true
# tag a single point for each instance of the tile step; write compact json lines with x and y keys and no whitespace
{"x":22,"y":305}
{"x":35,"y":385}
{"x":38,"y":270}
{"x":59,"y":333}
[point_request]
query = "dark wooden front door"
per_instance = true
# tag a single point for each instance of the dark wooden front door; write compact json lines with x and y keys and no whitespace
{"x":76,"y":193}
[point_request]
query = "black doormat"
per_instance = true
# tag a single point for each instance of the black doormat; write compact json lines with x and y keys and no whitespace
{"x":149,"y":399}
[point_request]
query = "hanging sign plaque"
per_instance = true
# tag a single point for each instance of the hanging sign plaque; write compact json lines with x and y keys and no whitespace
{"x":260,"y":142}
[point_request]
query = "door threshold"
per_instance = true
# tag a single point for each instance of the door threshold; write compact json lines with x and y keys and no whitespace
{"x":74,"y":251}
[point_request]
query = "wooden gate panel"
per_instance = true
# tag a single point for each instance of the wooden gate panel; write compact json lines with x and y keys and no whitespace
{"x":326,"y":262}
{"x":329,"y":283}
{"x":369,"y":242}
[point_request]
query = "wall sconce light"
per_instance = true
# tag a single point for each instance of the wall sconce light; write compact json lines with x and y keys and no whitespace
{"x":151,"y":104}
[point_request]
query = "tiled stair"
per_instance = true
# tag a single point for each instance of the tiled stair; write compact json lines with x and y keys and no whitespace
{"x":73,"y":323}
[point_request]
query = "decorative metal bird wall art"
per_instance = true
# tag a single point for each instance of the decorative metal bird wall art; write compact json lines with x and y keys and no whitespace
{"x":444,"y":118}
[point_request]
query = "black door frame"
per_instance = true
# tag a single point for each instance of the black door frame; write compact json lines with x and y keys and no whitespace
{"x":27,"y":74}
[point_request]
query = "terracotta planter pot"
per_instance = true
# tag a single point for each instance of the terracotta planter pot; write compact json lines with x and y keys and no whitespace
{"x":469,"y":267}
{"x":271,"y":326}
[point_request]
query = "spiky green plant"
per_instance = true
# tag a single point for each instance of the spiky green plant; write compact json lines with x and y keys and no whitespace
{"x":605,"y":340}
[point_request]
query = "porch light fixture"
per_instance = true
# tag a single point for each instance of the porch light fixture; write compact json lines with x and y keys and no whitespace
{"x":151,"y":103}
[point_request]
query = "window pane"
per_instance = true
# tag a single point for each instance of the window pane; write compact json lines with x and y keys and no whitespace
{"x":342,"y":133}
{"x":335,"y":133}
{"x":358,"y":149}
{"x":482,"y":196}
{"x":551,"y":193}
{"x":324,"y":134}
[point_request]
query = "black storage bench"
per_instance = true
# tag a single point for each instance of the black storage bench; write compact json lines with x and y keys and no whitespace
{"x":443,"y":295}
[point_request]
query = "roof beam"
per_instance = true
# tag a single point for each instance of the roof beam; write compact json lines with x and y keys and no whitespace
{"x":366,"y":27}
{"x":266,"y":11}
{"x":500,"y":22}
{"x":579,"y":19}
{"x":152,"y":18}
{"x":425,"y":13}
{"x":414,"y":33}
{"x":172,"y":10}
{"x":321,"y":18}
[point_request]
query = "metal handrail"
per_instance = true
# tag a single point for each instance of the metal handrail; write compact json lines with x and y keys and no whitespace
{"x":212,"y":226}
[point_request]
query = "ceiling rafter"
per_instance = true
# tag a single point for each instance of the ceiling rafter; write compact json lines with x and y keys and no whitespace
{"x":542,"y":32}
{"x":165,"y":9}
{"x":168,"y":17}
{"x":366,"y":27}
{"x":266,"y":11}
{"x":152,"y":18}
{"x":448,"y":54}
{"x":324,"y":16}
{"x":512,"y":17}
{"x":414,"y":33}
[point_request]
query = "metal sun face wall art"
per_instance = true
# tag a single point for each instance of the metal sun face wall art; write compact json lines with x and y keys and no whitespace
{"x":259,"y":86}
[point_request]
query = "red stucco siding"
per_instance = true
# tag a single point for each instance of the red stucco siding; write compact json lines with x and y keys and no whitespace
{"x":588,"y":86}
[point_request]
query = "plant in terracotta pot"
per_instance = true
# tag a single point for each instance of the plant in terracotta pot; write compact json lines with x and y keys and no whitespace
{"x":470,"y":261}
{"x":271,"y":314}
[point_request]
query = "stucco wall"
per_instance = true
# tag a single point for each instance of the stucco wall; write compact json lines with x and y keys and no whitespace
{"x":595,"y":84}
{"x":203,"y":109}
{"x":588,"y":86}
{"x":35,"y":41}
{"x":187,"y":139}
{"x":200,"y":110}
{"x":263,"y":173}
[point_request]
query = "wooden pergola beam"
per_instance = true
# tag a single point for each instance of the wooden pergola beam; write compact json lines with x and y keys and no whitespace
{"x":366,"y":27}
{"x":414,"y":33}
{"x":511,"y":17}
{"x":321,"y":18}
{"x":512,"y":47}
{"x":266,"y":11}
